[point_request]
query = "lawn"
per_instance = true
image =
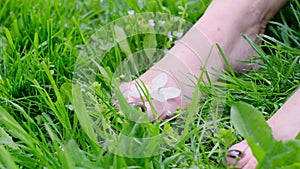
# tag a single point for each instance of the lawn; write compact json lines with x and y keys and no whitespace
{"x":62,"y":60}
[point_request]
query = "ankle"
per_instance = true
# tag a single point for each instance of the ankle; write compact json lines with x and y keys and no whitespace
{"x":232,"y":17}
{"x":221,"y":27}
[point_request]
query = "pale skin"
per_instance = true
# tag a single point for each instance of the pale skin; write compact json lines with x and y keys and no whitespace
{"x":223,"y":23}
{"x":284,"y":124}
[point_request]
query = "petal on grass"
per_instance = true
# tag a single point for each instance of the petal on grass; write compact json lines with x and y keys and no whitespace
{"x":159,"y":96}
{"x":159,"y":81}
{"x":137,"y":90}
{"x":170,"y":92}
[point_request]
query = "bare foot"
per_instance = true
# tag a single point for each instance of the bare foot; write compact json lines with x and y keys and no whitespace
{"x":284,"y":124}
{"x":169,"y":81}
{"x":172,"y":80}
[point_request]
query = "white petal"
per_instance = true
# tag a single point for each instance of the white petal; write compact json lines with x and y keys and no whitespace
{"x":179,"y":34}
{"x":170,"y":92}
{"x":137,"y":91}
{"x":170,"y":36}
{"x":151,"y":22}
{"x":131,"y":12}
{"x":159,"y":96}
{"x":159,"y":81}
{"x":169,"y":113}
{"x":161,"y":22}
{"x":134,"y":92}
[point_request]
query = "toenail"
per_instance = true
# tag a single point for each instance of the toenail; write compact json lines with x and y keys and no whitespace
{"x":236,"y":154}
{"x":141,"y":106}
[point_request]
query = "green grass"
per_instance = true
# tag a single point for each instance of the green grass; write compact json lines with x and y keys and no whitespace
{"x":269,"y":152}
{"x":46,"y":124}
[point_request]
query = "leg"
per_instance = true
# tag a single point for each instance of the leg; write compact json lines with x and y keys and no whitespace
{"x":223,"y":23}
{"x":284,"y":124}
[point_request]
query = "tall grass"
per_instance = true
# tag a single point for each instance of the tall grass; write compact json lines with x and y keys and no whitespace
{"x":40,"y":42}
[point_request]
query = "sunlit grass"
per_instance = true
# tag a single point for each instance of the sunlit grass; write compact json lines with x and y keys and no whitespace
{"x":45,"y":124}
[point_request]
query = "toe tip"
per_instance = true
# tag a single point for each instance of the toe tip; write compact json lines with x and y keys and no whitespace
{"x":235,"y":154}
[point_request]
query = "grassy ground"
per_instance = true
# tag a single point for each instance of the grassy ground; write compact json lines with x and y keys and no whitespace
{"x":46,"y":124}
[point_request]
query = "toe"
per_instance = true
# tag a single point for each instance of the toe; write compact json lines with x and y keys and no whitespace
{"x":239,"y":155}
{"x":251,"y":164}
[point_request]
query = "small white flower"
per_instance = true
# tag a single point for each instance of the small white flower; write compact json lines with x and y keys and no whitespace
{"x":130,"y":12}
{"x":122,"y":76}
{"x":62,"y":148}
{"x":169,"y":113}
{"x":161,"y":22}
{"x":156,"y":89}
{"x":166,"y":51}
{"x":151,"y":22}
{"x":179,"y":34}
{"x":170,"y":36}
{"x":52,"y":72}
{"x":70,"y":107}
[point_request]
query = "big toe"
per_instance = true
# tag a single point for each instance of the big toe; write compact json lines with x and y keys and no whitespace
{"x":240,"y":155}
